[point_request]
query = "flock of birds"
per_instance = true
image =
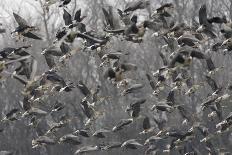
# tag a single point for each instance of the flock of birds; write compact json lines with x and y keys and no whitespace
{"x":183,"y":44}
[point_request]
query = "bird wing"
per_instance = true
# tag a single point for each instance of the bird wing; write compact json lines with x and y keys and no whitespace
{"x":64,"y":48}
{"x":197,"y":54}
{"x":108,"y":18}
{"x":67,"y":18}
{"x":31,"y":35}
{"x":50,"y":60}
{"x":146,"y":123}
{"x":133,"y":6}
{"x":212,"y":83}
{"x":20,"y":20}
{"x":210,"y":64}
{"x":202,"y":14}
{"x":77,"y":16}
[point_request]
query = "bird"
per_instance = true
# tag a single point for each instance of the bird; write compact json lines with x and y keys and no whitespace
{"x":24,"y":29}
{"x":55,"y":51}
{"x":11,"y":115}
{"x":131,"y":144}
{"x":70,"y":138}
{"x":205,"y":26}
{"x":100,"y":133}
{"x":162,"y":107}
{"x":147,"y":128}
{"x":152,"y":140}
{"x":34,"y":111}
{"x":121,"y":124}
{"x":132,"y":6}
{"x":109,"y":18}
{"x":82,"y":132}
{"x":76,"y":21}
{"x":86,"y":149}
{"x":134,"y":108}
{"x":132,"y":89}
{"x":42,"y":140}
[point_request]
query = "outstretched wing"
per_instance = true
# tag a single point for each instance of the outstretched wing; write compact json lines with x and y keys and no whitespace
{"x":50,"y":60}
{"x":67,"y":18}
{"x":77,"y":16}
{"x":20,"y":20}
{"x":31,"y":35}
{"x":202,"y":15}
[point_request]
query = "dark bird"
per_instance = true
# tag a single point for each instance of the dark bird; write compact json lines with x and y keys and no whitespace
{"x":50,"y":60}
{"x":205,"y":26}
{"x":134,"y":108}
{"x":67,"y":18}
{"x":24,"y":29}
{"x":171,"y":98}
{"x":109,"y":19}
{"x":210,"y":64}
{"x":8,"y":51}
{"x":147,"y":128}
{"x":121,"y":124}
{"x":146,"y":123}
{"x":53,"y":77}
{"x":76,"y":21}
{"x":11,"y":115}
{"x":131,"y":144}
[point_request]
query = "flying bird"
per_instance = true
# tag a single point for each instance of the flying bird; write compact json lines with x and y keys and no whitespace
{"x":24,"y":29}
